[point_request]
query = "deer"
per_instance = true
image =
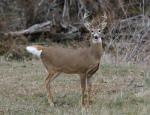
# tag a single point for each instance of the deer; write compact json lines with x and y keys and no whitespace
{"x":81,"y":61}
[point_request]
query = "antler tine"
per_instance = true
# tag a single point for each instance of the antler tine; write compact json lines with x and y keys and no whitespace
{"x":105,"y":16}
{"x":85,"y":15}
{"x":104,"y":23}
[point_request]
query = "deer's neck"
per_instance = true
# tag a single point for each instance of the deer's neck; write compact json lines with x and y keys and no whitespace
{"x":96,"y":49}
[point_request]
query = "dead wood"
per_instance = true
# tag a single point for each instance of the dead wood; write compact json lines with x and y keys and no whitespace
{"x":33,"y":29}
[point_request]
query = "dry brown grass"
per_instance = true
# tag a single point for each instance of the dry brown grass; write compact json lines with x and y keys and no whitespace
{"x":117,"y":89}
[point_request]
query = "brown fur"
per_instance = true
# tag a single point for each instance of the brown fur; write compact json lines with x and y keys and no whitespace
{"x":39,"y":47}
{"x":68,"y":60}
{"x":82,"y":61}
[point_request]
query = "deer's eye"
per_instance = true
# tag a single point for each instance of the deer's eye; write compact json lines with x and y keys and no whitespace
{"x":99,"y":30}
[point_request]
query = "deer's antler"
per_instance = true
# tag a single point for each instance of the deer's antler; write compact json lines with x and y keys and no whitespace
{"x":87,"y":24}
{"x":104,"y":23}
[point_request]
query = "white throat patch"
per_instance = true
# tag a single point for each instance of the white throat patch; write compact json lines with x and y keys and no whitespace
{"x":99,"y":40}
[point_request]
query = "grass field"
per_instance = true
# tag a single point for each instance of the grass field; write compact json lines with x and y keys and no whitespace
{"x":118,"y":89}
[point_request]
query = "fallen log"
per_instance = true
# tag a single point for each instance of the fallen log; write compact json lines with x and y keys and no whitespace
{"x":33,"y":29}
{"x":45,"y":29}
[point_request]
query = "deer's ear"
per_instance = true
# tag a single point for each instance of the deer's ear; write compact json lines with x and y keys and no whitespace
{"x":87,"y":25}
{"x":104,"y":24}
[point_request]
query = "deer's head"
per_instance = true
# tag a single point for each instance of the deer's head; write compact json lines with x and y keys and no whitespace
{"x":96,"y":27}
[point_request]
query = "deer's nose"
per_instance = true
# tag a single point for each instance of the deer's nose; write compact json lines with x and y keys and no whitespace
{"x":96,"y":37}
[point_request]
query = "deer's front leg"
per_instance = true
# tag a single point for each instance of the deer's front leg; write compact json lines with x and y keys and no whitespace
{"x":83,"y":87}
{"x":48,"y":88}
{"x":89,"y":83}
{"x":89,"y":89}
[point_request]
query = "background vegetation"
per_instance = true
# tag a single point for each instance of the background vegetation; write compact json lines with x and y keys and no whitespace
{"x":126,"y":36}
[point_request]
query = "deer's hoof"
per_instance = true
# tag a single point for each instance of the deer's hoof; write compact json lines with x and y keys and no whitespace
{"x":83,"y":109}
{"x":52,"y":104}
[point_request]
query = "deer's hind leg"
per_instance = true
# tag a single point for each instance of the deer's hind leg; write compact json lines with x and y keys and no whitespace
{"x":83,"y":87}
{"x":47,"y":82}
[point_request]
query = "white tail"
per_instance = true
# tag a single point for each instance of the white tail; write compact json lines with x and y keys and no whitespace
{"x":83,"y":61}
{"x":35,"y":50}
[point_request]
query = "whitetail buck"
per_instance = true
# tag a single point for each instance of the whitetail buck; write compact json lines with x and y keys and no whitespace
{"x":83,"y":61}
